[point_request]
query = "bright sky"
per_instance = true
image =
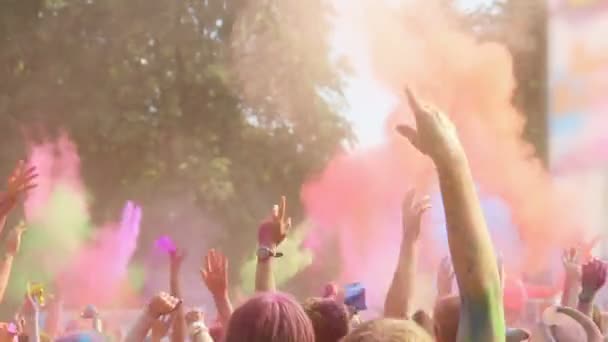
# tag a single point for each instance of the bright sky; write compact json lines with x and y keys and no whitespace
{"x":368,"y":102}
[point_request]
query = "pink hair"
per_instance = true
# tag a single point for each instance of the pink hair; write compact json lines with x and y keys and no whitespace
{"x":270,"y":317}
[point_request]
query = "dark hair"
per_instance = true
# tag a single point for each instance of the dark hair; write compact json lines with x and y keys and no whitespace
{"x":388,"y":330}
{"x":329,"y":319}
{"x":269,"y":317}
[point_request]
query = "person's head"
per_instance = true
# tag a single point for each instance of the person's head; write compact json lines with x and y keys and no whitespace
{"x":446,"y":316}
{"x":388,"y":330}
{"x":330,"y":319}
{"x":269,"y":317}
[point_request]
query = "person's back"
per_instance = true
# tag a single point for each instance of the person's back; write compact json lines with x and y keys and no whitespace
{"x":269,"y":317}
{"x":388,"y":330}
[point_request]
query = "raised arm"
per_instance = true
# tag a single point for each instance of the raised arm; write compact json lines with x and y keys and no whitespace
{"x":31,"y":313}
{"x":19,"y":183}
{"x":482,"y":314}
{"x":270,"y":236}
{"x":197,"y":329}
{"x":178,"y":334}
{"x":54,"y":313}
{"x":160,"y":327}
{"x":401,"y":292}
{"x":594,"y":278}
{"x":11,"y":248}
{"x":162,"y":304}
{"x":572,"y":277}
{"x":592,"y":331}
{"x":215,"y":276}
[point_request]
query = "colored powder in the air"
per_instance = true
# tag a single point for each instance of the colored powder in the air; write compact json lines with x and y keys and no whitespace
{"x":57,"y":215}
{"x":136,"y":277}
{"x":109,"y":254}
{"x":586,"y":150}
{"x":357,"y":198}
{"x":62,"y":247}
{"x":295,"y":258}
{"x":165,"y":244}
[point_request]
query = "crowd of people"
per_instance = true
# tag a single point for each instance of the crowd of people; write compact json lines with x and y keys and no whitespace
{"x":476,"y":312}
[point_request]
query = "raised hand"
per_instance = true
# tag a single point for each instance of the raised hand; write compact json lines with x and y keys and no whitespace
{"x":445,"y":278}
{"x":19,"y":183}
{"x":412,"y":215}
{"x":271,"y":233}
{"x":435,"y":135}
{"x":571,"y":262}
{"x":21,"y":180}
{"x":162,"y":304}
{"x":215,"y":273}
{"x":594,"y":277}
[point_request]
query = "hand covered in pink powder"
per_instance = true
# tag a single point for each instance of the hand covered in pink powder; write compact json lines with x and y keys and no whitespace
{"x":272,"y":232}
{"x":435,"y":135}
{"x":594,"y":277}
{"x":412,"y":215}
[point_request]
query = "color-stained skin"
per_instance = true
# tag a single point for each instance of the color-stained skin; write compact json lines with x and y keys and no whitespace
{"x":482,"y":313}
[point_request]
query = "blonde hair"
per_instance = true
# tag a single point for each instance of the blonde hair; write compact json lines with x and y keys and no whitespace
{"x":388,"y":330}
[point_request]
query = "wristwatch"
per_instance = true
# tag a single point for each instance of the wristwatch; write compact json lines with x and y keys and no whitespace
{"x":265,"y":253}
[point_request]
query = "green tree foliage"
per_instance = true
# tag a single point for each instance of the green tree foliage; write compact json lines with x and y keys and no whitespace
{"x":222,"y":104}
